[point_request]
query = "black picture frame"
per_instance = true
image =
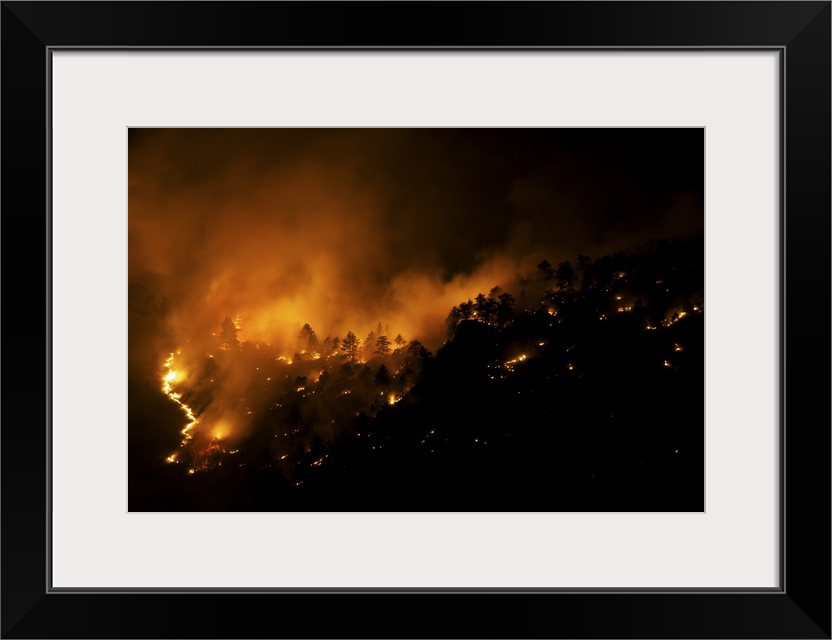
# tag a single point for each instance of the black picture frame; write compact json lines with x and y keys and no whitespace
{"x":799,"y":31}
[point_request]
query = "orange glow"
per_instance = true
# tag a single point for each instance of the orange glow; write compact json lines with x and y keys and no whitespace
{"x":509,"y":364}
{"x":167,"y":388}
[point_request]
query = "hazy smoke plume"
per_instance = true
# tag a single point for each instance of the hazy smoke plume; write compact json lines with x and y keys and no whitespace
{"x":345,"y":228}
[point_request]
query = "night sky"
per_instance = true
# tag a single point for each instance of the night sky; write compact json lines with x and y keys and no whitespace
{"x":345,"y":229}
{"x":337,"y":226}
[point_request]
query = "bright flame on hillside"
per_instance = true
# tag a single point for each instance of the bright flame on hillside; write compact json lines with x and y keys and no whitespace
{"x":167,"y":387}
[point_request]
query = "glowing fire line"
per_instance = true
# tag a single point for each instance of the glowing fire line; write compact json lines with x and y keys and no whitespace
{"x":167,"y":387}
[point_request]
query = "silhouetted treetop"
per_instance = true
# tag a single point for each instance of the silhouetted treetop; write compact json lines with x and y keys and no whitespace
{"x":382,"y":346}
{"x":350,"y":345}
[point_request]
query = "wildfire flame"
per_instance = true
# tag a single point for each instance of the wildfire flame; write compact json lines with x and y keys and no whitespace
{"x":168,"y":381}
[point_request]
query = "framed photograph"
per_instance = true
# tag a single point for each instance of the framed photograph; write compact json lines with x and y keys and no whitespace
{"x":517,"y":315}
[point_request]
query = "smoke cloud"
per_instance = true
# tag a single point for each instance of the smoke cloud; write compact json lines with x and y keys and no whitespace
{"x":342,"y":229}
